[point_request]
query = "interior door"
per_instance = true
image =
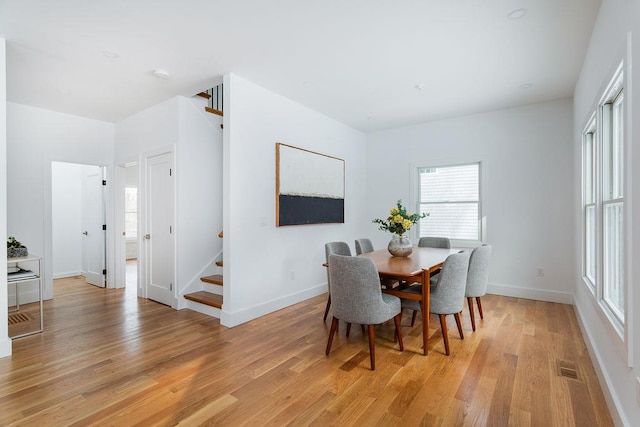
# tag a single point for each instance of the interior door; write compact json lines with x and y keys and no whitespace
{"x":159,"y":236}
{"x":93,"y":220}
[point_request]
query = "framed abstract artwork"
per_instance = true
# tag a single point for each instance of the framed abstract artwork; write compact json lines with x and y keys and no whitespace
{"x":309,"y":187}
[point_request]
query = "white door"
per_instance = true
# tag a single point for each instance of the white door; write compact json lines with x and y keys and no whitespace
{"x":93,"y":222}
{"x":159,"y":229}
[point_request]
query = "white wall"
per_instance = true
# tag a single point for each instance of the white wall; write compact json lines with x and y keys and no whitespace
{"x":5,"y":342}
{"x":526,"y":186}
{"x":35,"y":138}
{"x":267,"y":267}
{"x":199,"y":195}
{"x":617,"y":22}
{"x":66,"y":219}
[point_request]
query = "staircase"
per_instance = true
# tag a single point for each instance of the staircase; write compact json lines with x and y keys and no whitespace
{"x":211,"y":299}
{"x":214,"y":99}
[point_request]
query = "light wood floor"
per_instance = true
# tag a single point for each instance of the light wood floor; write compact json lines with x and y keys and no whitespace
{"x":108,"y":358}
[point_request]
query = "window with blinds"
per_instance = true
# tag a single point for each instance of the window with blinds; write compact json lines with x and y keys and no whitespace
{"x":451,"y":197}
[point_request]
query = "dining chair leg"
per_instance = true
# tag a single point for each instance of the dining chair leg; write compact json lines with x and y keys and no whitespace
{"x":326,"y":310}
{"x":348,"y":329}
{"x":413,"y":317}
{"x":459,"y":324}
{"x":479,"y":307}
{"x":472,"y":313}
{"x":398,"y":322}
{"x":445,"y":334}
{"x":334,"y":328}
{"x":372,"y":346}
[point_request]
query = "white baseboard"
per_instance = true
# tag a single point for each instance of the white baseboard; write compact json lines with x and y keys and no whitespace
{"x":530,"y":293}
{"x":613,"y":403}
{"x":231,"y":319}
{"x":67,"y":274}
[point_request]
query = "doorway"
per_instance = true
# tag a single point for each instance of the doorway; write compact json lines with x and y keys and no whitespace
{"x":79,"y":221}
{"x":131,"y":227}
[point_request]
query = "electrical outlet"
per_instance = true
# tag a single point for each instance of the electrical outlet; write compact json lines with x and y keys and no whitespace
{"x":539,"y":271}
{"x":263,"y":221}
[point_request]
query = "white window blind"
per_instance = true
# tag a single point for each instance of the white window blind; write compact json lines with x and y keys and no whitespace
{"x":451,"y":196}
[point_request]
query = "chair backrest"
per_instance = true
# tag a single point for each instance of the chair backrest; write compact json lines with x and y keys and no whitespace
{"x":339,"y":248}
{"x":434,"y":242}
{"x":356,"y":295}
{"x":363,"y":246}
{"x":478,"y":275}
{"x":447,"y":297}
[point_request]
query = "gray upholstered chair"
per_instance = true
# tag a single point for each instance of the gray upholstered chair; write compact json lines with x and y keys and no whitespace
{"x":339,"y":248}
{"x":477,"y":279}
{"x":447,"y":295}
{"x":357,"y":298}
{"x":363,"y":246}
{"x":434,"y":242}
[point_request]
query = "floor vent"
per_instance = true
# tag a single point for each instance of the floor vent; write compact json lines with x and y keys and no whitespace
{"x":18,"y":318}
{"x":567,"y":369}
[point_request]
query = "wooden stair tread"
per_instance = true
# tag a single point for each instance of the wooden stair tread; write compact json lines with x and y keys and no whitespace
{"x":216,"y":279}
{"x":213,"y":111}
{"x":204,"y":95}
{"x":207,"y":298}
{"x":219,"y":263}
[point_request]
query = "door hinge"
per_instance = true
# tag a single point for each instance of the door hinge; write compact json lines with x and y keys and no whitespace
{"x":170,"y":229}
{"x":104,"y":227}
{"x":171,"y":286}
{"x":104,"y":182}
{"x":169,"y":171}
{"x":104,"y":271}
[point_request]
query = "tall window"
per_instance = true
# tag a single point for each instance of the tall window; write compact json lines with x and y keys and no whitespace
{"x":613,"y":202}
{"x":589,"y":203}
{"x":603,"y":200}
{"x":451,"y":196}
{"x":131,"y":212}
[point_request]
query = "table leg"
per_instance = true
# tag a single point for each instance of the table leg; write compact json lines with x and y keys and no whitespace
{"x":426,"y":306}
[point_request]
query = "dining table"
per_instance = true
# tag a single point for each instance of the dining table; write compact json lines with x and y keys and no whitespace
{"x":418,"y":267}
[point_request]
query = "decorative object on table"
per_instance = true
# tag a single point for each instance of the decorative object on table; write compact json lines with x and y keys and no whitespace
{"x":399,"y":222}
{"x":15,"y":249}
{"x":309,"y":187}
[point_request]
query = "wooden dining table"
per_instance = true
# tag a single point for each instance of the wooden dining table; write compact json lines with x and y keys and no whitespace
{"x":417,"y":267}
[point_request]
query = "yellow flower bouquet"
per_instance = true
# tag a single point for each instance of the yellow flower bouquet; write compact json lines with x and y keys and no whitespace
{"x":399,"y":221}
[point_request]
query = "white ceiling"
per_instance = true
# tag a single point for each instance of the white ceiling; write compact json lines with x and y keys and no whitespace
{"x":354,"y":60}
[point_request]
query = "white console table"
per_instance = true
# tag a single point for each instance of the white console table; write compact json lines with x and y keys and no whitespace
{"x":30,"y":274}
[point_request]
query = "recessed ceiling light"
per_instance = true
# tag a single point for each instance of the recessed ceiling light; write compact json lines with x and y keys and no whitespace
{"x":526,"y":85}
{"x":110,"y":54}
{"x":307,"y":83}
{"x":517,"y":14}
{"x":418,"y":86}
{"x":163,"y":74}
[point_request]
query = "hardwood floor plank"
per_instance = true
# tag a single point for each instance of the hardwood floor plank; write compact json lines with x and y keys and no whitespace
{"x":107,"y":357}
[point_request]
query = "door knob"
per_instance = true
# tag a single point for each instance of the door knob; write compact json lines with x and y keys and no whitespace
{"x":147,"y":236}
{"x":86,"y":233}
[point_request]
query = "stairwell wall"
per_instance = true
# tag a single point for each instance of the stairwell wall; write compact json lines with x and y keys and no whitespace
{"x":177,"y":125}
{"x":266,"y":267}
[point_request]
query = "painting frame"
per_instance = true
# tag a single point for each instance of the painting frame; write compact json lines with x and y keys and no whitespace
{"x":310,"y":187}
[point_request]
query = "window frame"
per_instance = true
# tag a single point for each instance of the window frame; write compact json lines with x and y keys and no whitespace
{"x":612,"y":92}
{"x":458,"y":243}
